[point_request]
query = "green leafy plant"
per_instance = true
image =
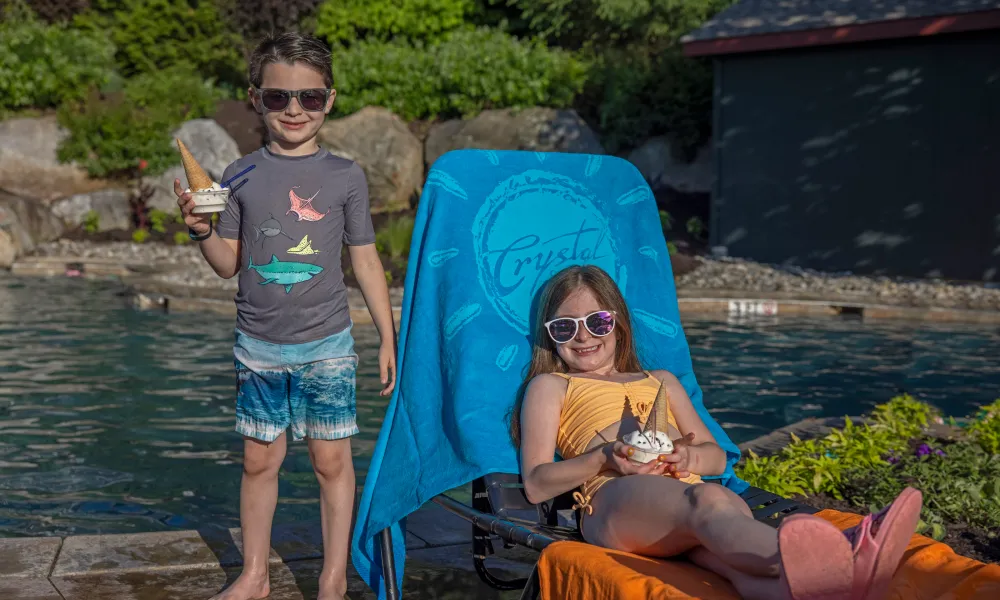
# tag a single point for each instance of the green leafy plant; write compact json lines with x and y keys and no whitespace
{"x":346,"y":21}
{"x":985,"y":429}
{"x":696,"y":227}
{"x":460,"y":75}
{"x":152,"y":35}
{"x":91,"y":222}
{"x":869,"y":465}
{"x":394,"y":238}
{"x":181,"y":238}
{"x":45,"y":65}
{"x":671,"y":248}
{"x":254,"y":18}
{"x":666,"y":221}
{"x":139,"y":236}
{"x":112,"y":133}
{"x":388,"y":278}
{"x":56,"y":11}
{"x":158,"y":220}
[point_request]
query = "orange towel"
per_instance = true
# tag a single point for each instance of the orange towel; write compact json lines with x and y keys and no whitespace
{"x":571,"y":570}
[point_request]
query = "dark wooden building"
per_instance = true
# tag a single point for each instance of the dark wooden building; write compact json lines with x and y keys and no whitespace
{"x":858,"y":135}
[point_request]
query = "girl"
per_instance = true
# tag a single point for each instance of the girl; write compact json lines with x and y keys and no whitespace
{"x":585,"y":386}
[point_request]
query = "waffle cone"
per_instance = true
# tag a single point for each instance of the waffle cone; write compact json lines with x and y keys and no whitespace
{"x":657,"y":420}
{"x":197,"y":178}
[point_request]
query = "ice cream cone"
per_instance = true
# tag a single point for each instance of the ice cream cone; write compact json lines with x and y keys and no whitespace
{"x":657,"y":420}
{"x":197,"y":178}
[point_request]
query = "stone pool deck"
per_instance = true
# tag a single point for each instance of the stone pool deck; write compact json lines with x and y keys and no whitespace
{"x":146,"y":290}
{"x":194,"y":565}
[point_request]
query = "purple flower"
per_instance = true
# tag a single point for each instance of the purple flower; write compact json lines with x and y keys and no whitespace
{"x":940,"y":452}
{"x":923,"y":450}
{"x":892,"y":460}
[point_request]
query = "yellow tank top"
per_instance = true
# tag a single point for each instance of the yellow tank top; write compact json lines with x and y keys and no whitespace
{"x":591,"y":405}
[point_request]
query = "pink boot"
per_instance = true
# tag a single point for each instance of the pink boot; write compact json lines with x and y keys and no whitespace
{"x":816,"y":559}
{"x":879,"y":542}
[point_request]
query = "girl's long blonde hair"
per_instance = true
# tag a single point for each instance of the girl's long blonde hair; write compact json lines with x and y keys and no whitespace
{"x":545,"y":359}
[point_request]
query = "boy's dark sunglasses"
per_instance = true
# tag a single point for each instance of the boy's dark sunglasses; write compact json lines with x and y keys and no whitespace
{"x":313,"y":100}
{"x":599,"y":324}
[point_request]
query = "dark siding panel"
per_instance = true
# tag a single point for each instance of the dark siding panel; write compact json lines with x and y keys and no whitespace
{"x":876,"y":158}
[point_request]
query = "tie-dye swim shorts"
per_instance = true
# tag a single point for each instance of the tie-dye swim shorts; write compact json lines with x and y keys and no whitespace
{"x":309,"y":388}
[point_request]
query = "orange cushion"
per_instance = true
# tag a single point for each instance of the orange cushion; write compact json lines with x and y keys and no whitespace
{"x":930,"y":571}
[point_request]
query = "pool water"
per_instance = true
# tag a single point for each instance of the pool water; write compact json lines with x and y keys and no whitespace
{"x":115,"y":421}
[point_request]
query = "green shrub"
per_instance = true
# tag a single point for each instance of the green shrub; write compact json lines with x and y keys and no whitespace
{"x":139,"y":236}
{"x":158,"y":220}
{"x":638,"y":96}
{"x":343,"y":22}
{"x":986,"y":428}
{"x":57,"y":11}
{"x":111,"y":133}
{"x":254,"y":18}
{"x":91,"y":222}
{"x":44,"y":65}
{"x":870,"y":465}
{"x":461,"y":75}
{"x":394,"y":238}
{"x":818,"y":466}
{"x":181,"y":238}
{"x":152,"y":35}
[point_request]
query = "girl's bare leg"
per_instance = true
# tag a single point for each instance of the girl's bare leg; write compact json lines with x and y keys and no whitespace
{"x":658,"y":516}
{"x":750,"y":587}
{"x":258,"y":499}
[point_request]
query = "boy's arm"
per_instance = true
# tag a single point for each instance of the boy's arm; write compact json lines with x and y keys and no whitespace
{"x":221,"y":253}
{"x":359,"y":235}
{"x":370,"y":274}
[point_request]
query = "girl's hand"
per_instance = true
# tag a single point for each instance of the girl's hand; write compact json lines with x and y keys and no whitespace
{"x":616,"y":459}
{"x":678,"y":462}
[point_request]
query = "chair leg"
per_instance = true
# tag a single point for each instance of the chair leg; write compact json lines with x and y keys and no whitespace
{"x":532,"y":588}
{"x":388,"y":565}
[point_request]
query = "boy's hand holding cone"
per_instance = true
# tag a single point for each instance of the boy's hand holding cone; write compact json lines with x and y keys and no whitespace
{"x":198,"y":179}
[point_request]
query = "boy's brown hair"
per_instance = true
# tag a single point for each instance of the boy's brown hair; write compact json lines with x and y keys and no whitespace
{"x":289,"y":48}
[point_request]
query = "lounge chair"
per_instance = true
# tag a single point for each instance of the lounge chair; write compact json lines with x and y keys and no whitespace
{"x":497,"y":212}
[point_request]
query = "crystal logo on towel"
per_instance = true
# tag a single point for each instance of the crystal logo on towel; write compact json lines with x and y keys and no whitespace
{"x":532,"y":226}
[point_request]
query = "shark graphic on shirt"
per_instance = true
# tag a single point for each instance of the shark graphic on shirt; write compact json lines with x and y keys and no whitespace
{"x":303,"y":208}
{"x":285,"y":273}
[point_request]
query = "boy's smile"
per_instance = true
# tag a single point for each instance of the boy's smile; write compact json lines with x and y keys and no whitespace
{"x":293,"y":130}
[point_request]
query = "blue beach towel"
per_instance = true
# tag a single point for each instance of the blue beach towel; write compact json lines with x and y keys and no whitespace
{"x":491,"y":228}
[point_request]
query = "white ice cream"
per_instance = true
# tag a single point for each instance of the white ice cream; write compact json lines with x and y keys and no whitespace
{"x":648,"y":446}
{"x":210,"y":200}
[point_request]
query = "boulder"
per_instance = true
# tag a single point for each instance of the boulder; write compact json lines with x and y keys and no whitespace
{"x":537,"y":129}
{"x":29,"y":164}
{"x":23,"y":225}
{"x":211,"y":146}
{"x":111,"y":205}
{"x":657,"y":160}
{"x":391,"y":156}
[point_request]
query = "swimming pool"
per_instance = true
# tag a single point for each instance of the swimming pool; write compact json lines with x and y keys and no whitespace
{"x":116,"y":421}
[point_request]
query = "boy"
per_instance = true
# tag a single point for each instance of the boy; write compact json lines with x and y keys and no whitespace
{"x":281,"y":233}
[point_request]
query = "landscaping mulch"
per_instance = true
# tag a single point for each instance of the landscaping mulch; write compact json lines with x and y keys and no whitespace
{"x":968,"y":541}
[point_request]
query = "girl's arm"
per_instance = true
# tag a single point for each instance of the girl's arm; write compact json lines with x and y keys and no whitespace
{"x":706,"y":457}
{"x":543,"y":478}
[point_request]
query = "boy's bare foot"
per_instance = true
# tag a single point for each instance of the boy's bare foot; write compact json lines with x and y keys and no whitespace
{"x":246,"y":587}
{"x":332,"y":589}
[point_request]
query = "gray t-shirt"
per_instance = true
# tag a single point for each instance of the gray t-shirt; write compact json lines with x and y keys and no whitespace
{"x":292,"y":216}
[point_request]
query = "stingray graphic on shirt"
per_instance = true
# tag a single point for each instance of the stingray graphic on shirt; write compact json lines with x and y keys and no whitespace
{"x":285,"y":273}
{"x":303,"y":208}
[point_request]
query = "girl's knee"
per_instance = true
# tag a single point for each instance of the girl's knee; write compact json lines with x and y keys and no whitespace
{"x":708,"y":499}
{"x":331,"y":460}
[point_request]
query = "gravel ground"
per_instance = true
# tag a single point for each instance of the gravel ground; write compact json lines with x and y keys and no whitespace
{"x":185,"y":266}
{"x":734,"y":274}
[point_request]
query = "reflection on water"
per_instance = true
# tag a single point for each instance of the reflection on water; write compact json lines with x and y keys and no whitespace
{"x":113,"y":420}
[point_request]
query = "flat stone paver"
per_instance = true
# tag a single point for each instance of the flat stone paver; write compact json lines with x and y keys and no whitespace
{"x":132,"y":552}
{"x":24,"y":588}
{"x":438,"y":527}
{"x":27,"y":557}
